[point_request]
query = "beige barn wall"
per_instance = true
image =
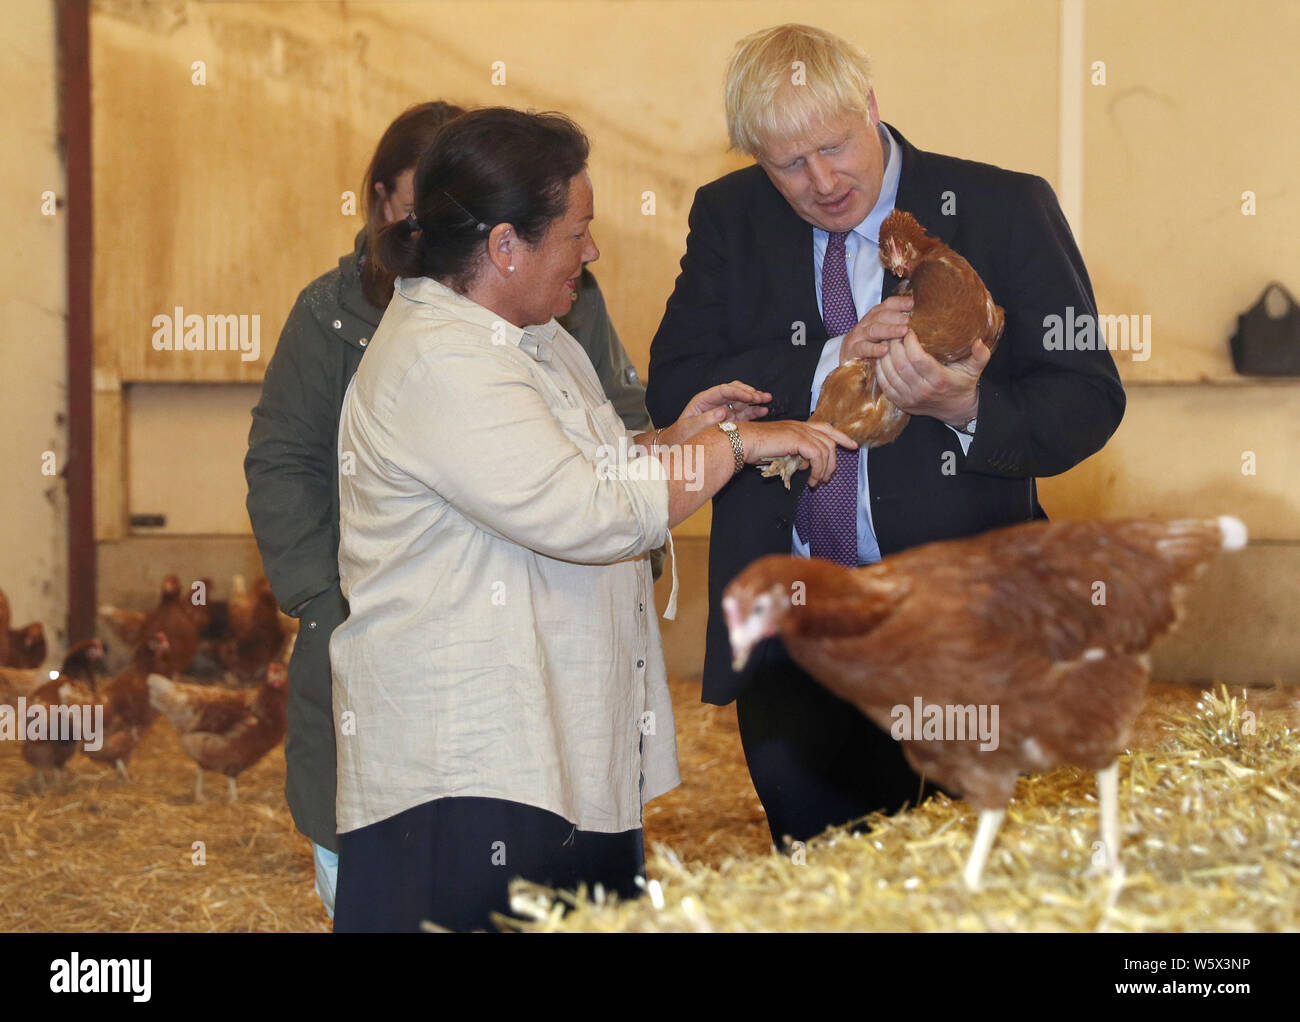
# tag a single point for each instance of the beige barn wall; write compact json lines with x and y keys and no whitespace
{"x":33,"y":350}
{"x":1198,"y":107}
{"x":245,"y":172}
{"x":1192,"y":116}
{"x":225,"y":198}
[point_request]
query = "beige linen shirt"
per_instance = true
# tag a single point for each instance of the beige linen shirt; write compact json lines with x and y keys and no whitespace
{"x":502,"y":640}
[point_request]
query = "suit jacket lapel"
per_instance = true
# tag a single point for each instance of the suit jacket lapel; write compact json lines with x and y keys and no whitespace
{"x":898,"y":466}
{"x":922,"y":196}
{"x":786,"y":248}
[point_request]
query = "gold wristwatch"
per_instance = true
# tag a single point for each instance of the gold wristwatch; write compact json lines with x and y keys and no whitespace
{"x":737,"y":447}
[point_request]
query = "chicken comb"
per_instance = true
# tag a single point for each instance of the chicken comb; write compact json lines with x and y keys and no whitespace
{"x":905,"y":228}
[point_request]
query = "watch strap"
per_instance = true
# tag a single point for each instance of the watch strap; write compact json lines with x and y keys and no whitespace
{"x":737,"y":445}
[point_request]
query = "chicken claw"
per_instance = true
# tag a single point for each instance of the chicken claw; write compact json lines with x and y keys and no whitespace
{"x":785,"y":467}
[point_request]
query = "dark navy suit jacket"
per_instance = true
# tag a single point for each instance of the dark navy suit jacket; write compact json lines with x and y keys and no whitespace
{"x":747,"y":282}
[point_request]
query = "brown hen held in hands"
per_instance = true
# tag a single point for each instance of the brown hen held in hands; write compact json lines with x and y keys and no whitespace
{"x":1009,"y":620}
{"x":951,"y":307}
{"x":951,"y":310}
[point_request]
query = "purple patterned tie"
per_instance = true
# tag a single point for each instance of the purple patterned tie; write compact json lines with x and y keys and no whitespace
{"x":827,"y":517}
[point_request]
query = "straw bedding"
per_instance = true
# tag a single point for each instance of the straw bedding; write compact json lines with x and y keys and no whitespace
{"x":1212,"y":842}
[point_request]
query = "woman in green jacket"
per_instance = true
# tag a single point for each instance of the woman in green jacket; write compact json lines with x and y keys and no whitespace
{"x":292,"y":466}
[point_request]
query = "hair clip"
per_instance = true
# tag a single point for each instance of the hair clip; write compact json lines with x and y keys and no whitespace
{"x":479,"y":224}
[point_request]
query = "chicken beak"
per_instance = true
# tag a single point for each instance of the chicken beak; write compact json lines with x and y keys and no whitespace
{"x":895,"y":258}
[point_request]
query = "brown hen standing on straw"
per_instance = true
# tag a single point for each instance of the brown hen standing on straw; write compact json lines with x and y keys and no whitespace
{"x":222,"y":730}
{"x":128,"y":715}
{"x":71,"y":693}
{"x":1048,"y":622}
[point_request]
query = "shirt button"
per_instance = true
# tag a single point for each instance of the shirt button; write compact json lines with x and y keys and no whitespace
{"x":311,"y":624}
{"x":640,"y":663}
{"x":640,"y":608}
{"x":338,"y":324}
{"x":365,"y":341}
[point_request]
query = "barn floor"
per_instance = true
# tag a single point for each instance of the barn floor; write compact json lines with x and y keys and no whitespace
{"x":96,"y":853}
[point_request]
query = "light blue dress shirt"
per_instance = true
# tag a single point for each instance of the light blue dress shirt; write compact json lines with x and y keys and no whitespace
{"x":866,"y":281}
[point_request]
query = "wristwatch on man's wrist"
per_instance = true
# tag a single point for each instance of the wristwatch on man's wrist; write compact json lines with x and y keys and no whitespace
{"x":968,"y":427}
{"x":737,"y":446}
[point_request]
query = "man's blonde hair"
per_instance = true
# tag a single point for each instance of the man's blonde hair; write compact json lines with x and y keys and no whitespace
{"x":781,"y":80}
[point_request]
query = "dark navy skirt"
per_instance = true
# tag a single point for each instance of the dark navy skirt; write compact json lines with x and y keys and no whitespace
{"x":450,"y":862}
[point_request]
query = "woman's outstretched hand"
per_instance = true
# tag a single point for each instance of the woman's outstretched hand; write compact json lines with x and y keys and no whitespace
{"x":734,"y":402}
{"x":813,"y":443}
{"x":739,"y":401}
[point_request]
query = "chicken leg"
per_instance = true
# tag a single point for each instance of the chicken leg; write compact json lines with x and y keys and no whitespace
{"x":990,"y":821}
{"x":1108,"y":798}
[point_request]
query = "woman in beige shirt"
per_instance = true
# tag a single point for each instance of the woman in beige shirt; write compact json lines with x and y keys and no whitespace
{"x":501,"y":703}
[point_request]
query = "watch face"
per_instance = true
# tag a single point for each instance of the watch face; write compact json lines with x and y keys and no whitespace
{"x":730,"y":427}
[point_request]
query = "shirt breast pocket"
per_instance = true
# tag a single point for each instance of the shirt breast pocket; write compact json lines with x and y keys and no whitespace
{"x":608,"y":420}
{"x":578,"y":425}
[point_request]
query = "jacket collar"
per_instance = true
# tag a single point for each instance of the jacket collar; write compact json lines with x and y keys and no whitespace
{"x":922,"y":194}
{"x":351,"y":297}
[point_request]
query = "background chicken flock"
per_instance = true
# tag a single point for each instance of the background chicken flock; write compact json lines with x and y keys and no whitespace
{"x":230,"y":714}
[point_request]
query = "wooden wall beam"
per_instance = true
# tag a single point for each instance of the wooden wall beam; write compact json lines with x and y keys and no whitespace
{"x":78,"y":471}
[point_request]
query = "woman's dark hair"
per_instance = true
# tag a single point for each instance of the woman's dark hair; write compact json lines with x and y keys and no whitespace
{"x":487,"y":167}
{"x":399,"y":150}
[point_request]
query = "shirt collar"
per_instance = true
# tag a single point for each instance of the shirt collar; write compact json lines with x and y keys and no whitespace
{"x":536,"y":340}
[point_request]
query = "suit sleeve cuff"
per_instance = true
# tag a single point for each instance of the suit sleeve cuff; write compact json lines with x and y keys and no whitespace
{"x":965,"y":439}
